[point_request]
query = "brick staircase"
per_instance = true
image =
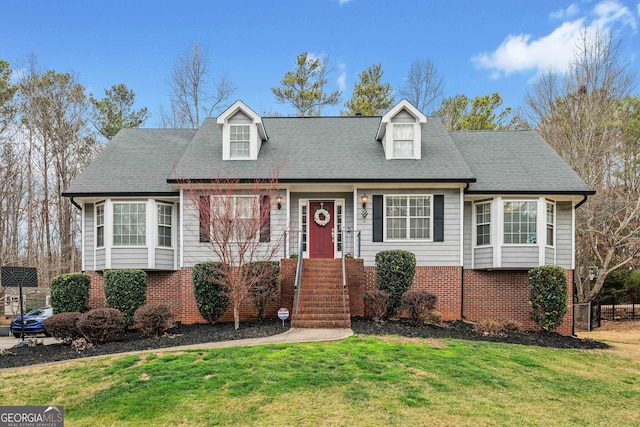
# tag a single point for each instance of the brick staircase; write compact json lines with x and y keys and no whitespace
{"x":321,"y":303}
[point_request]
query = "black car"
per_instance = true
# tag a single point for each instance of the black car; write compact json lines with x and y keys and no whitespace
{"x":33,"y":322}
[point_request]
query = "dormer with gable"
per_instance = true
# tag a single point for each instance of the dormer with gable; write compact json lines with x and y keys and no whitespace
{"x":242,"y":132}
{"x":400,"y":131}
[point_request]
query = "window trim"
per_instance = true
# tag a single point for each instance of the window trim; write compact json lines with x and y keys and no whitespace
{"x":477,"y":224}
{"x":158,"y":225}
{"x":243,"y":141}
{"x":113,"y":224}
{"x":100,"y":225}
{"x":552,"y":224}
{"x":537,"y":233}
{"x":408,"y":217}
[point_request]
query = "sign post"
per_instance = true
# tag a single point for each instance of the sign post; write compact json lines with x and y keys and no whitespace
{"x":283,"y":314}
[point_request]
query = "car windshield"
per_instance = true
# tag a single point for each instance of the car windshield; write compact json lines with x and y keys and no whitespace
{"x":40,"y":311}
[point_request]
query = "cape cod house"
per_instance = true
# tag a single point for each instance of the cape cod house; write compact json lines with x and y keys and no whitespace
{"x":477,"y":208}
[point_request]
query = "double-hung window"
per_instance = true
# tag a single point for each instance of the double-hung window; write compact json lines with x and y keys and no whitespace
{"x":550,"y":223}
{"x":236,"y":218}
{"x":239,"y":141}
{"x":164,"y":225}
{"x":520,"y":219}
{"x":129,"y":224}
{"x":100,"y":225}
{"x":483,"y":223}
{"x":403,"y":141}
{"x":408,"y":217}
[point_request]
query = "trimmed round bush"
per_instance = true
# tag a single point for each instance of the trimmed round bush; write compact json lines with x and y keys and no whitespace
{"x":211,"y":290}
{"x":394,"y":275}
{"x":154,"y":319}
{"x":264,"y":279}
{"x":418,"y":304}
{"x":63,"y":326}
{"x":377,"y":301}
{"x":101,"y":325}
{"x":125,"y":290}
{"x":548,"y":296}
{"x":70,"y":293}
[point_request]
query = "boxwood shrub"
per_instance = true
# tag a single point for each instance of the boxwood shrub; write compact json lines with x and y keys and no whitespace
{"x":211,"y":290}
{"x":265,"y":280}
{"x":548,"y":296}
{"x":394,"y":275}
{"x":70,"y":292}
{"x":125,"y":290}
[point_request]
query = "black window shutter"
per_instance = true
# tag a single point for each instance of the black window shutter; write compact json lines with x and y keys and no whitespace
{"x":378,"y":218}
{"x":265,"y":216}
{"x":204,"y":206}
{"x":438,"y":218}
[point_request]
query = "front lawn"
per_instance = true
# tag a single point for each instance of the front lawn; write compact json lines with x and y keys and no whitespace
{"x":361,"y":381}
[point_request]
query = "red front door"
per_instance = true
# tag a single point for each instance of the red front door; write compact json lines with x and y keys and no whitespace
{"x":321,"y":230}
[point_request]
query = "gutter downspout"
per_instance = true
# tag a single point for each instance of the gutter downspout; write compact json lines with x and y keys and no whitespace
{"x":73,"y":202}
{"x":585,"y":197}
{"x":462,"y":316}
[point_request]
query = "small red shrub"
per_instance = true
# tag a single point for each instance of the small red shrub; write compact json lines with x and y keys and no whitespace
{"x":154,"y":319}
{"x":101,"y":325}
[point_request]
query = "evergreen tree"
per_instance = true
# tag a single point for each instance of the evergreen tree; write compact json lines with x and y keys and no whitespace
{"x":370,"y":96}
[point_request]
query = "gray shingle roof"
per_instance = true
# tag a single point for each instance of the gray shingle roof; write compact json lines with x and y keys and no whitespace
{"x":135,"y":161}
{"x":516,"y":162}
{"x":330,"y":149}
{"x":338,"y":149}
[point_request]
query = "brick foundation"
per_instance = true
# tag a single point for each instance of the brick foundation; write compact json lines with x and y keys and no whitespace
{"x":488,"y":295}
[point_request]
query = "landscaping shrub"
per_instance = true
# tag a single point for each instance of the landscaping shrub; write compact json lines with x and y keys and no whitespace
{"x":101,"y":325}
{"x":63,"y":326}
{"x":548,"y":296}
{"x":418,"y":304}
{"x":265,"y":278}
{"x":211,"y":290}
{"x":394,"y":275}
{"x":377,"y":301}
{"x":70,"y":293}
{"x":154,"y":319}
{"x":125,"y":290}
{"x":498,"y":327}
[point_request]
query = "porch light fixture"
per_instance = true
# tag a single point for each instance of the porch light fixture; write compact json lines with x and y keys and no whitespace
{"x":364,"y":199}
{"x":279,"y":201}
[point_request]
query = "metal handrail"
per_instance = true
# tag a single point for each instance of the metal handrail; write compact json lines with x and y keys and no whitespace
{"x":298,"y":279}
{"x":344,"y":283}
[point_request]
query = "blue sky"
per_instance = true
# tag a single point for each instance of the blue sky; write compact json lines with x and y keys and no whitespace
{"x":479,"y":47}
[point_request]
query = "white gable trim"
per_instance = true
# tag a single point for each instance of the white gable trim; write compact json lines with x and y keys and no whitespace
{"x":258,"y":134}
{"x":412,"y":116}
{"x":402,"y":105}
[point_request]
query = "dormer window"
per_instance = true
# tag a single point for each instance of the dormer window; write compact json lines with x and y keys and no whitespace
{"x":239,"y":141}
{"x":403,"y":141}
{"x":400,"y":131}
{"x":242,"y":132}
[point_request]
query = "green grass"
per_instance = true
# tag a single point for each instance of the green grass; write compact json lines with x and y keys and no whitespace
{"x":361,"y":381}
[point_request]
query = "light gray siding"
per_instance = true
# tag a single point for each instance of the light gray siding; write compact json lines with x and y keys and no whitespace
{"x":403,"y":117}
{"x":483,"y":257}
{"x":564,"y":238}
{"x":129,"y":257}
{"x":520,"y":256}
{"x":89,"y":236}
{"x":164,"y":258}
{"x":549,"y":255}
{"x":240,"y":118}
{"x":195,"y":251}
{"x":468,"y":233}
{"x":101,"y":260}
{"x":445,"y":253}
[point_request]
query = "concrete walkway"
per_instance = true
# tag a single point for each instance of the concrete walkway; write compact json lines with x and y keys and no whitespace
{"x":297,"y":335}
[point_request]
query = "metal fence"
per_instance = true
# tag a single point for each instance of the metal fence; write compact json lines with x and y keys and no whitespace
{"x":620,"y":308}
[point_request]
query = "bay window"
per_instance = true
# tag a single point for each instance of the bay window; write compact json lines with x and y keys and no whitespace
{"x":164,"y":225}
{"x":520,"y":219}
{"x":483,"y":223}
{"x":129,"y":224}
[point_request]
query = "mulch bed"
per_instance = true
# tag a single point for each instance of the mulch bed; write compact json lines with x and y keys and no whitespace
{"x":195,"y":334}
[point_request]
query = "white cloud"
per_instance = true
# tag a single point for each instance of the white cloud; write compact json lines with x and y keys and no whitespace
{"x":572,"y":10}
{"x":343,"y":2}
{"x":342,"y":78}
{"x":523,"y":52}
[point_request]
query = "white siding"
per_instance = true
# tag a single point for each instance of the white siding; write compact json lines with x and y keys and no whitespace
{"x":129,"y":257}
{"x":483,"y":257}
{"x":520,"y":256}
{"x":164,"y":258}
{"x":445,"y":253}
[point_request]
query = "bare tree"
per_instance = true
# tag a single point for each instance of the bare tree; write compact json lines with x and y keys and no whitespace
{"x":579,"y":114}
{"x":423,"y":86}
{"x":191,"y":97}
{"x":235,"y":223}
